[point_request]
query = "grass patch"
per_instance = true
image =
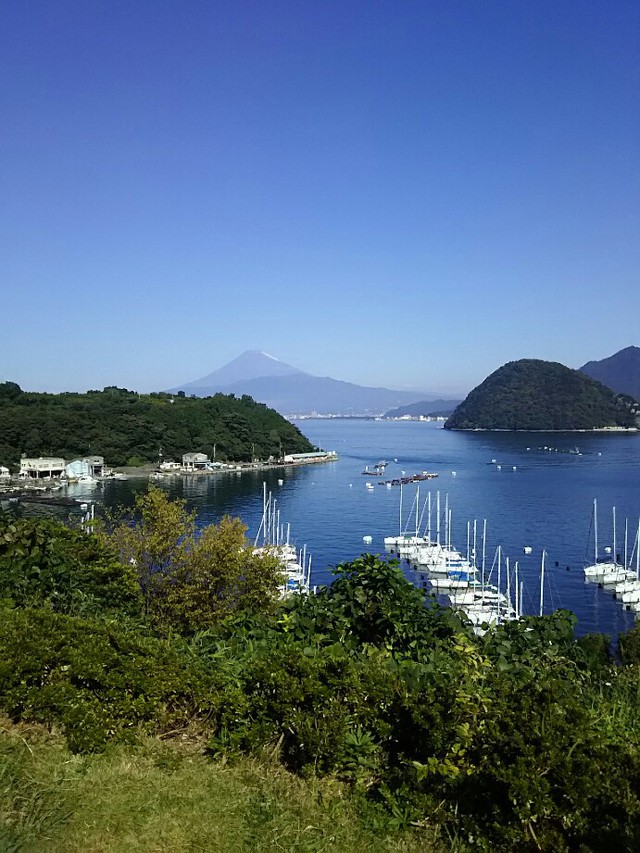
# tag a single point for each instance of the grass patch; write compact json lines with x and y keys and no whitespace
{"x":166,"y":796}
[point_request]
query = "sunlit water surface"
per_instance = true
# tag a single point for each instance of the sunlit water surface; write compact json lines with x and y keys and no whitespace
{"x":529,"y":496}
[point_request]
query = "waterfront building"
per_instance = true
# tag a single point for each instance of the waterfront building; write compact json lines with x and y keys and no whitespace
{"x":89,"y":466}
{"x":195,"y":461}
{"x":321,"y":456}
{"x":43,"y":468}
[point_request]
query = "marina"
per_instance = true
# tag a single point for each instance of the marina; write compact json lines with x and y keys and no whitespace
{"x":274,"y":538}
{"x":545,"y":504}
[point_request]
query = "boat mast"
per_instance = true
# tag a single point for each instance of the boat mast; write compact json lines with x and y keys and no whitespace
{"x":446,"y":520}
{"x":520,"y":598}
{"x":595,"y":531}
{"x":615,"y":546}
{"x":263,"y":521}
{"x":542,"y":583}
{"x":484,"y":554}
{"x":438,"y":517}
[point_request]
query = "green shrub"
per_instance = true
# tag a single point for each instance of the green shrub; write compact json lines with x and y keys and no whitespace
{"x":100,"y":683}
{"x":43,"y":563}
{"x":629,"y":647}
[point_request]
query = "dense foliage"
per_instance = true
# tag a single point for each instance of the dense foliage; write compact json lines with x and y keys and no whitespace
{"x":540,"y":395}
{"x":130,"y":429}
{"x":45,"y":564}
{"x":525,"y":738}
{"x":190,"y":579}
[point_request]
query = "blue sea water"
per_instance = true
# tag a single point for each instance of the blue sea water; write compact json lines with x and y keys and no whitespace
{"x":529,"y":496}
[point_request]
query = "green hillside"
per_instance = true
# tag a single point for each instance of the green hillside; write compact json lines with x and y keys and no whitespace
{"x":129,"y":428}
{"x":541,"y":395}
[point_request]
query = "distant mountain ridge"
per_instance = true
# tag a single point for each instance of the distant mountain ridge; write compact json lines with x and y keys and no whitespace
{"x":542,"y":395}
{"x":620,"y":371}
{"x":425,"y":409}
{"x":291,"y":391}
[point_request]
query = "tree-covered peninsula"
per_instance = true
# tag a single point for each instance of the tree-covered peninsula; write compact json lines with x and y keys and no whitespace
{"x":132,"y":429}
{"x":531,"y":394}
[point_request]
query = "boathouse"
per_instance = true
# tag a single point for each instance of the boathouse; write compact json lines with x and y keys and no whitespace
{"x":43,"y":468}
{"x":89,"y":466}
{"x":195,"y":461}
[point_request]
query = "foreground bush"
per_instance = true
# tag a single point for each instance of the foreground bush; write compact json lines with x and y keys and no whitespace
{"x":191,"y":579}
{"x":43,"y":563}
{"x":515,"y":740}
{"x":523,"y":739}
{"x":101,"y":684}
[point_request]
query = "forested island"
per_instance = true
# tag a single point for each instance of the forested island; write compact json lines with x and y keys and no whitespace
{"x":127,"y":428}
{"x":531,"y":394}
{"x":156,"y":694}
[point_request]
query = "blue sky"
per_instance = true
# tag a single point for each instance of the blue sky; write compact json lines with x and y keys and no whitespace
{"x":387,"y":192}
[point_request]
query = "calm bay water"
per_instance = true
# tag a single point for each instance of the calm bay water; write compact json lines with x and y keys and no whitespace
{"x":546,"y":502}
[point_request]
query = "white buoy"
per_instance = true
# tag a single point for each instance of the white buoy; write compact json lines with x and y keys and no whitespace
{"x":281,"y":482}
{"x":527,"y":549}
{"x":454,"y":473}
{"x":499,"y":467}
{"x":367,"y":540}
{"x":514,"y":468}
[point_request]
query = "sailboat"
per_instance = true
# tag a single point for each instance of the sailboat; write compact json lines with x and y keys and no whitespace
{"x":296,"y":565}
{"x":601,"y":566}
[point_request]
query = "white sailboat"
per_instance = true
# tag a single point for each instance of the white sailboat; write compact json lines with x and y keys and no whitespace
{"x":601,"y":566}
{"x":270,"y":538}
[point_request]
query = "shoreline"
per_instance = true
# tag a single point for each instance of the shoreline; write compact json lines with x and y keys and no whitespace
{"x":616,"y":430}
{"x":151,"y":471}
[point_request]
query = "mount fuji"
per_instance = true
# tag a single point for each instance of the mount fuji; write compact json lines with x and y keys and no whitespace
{"x":291,"y":391}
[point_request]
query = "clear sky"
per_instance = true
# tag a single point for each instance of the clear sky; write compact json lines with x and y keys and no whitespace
{"x":388,"y":192}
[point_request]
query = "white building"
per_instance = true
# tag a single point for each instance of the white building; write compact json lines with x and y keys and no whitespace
{"x":318,"y":456}
{"x":4,"y":473}
{"x":43,"y":468}
{"x":89,"y":466}
{"x":195,"y":461}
